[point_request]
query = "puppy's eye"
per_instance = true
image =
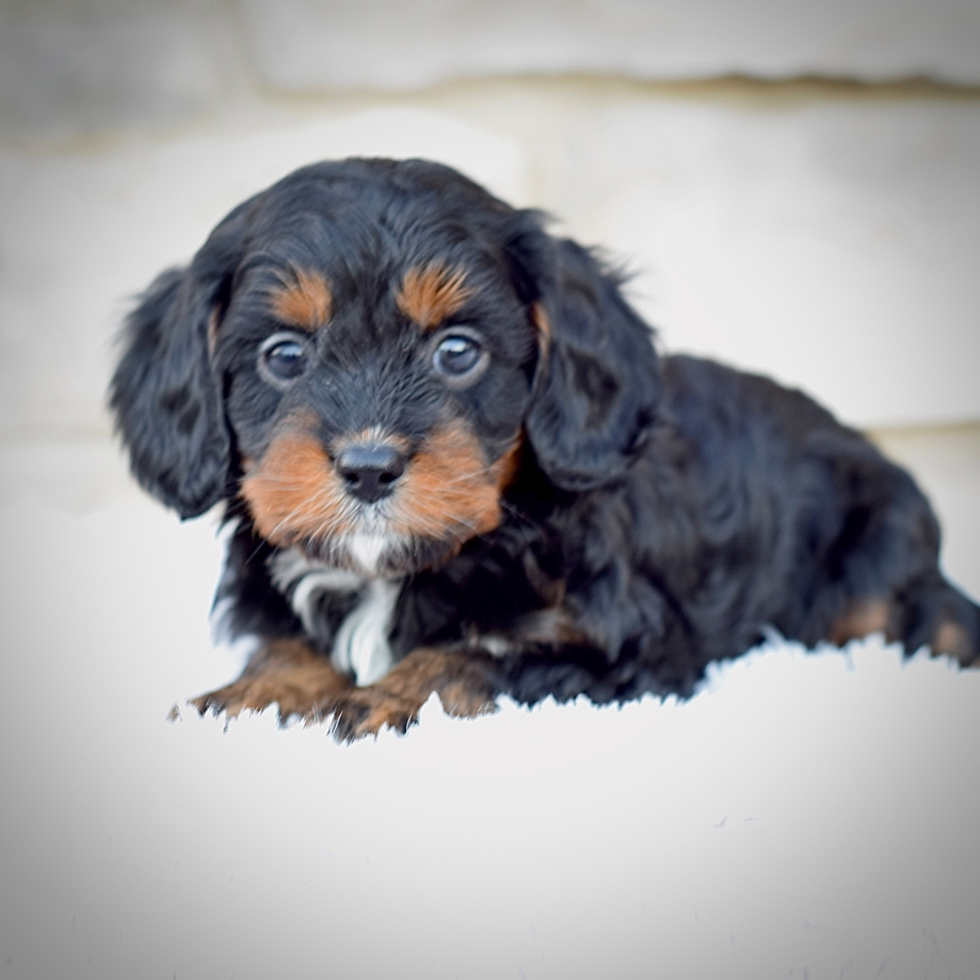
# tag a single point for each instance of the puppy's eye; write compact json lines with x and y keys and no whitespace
{"x":457,"y":356}
{"x":283,"y":358}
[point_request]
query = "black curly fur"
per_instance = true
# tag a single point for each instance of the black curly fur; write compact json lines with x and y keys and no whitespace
{"x":665,"y":510}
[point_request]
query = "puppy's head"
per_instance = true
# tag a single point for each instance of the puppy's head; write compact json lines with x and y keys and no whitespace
{"x":361,"y":355}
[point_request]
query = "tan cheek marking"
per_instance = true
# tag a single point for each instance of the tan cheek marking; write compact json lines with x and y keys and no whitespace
{"x":294,"y":493}
{"x":306,"y":303}
{"x":450,"y":492}
{"x":864,"y":617}
{"x":432,"y":293}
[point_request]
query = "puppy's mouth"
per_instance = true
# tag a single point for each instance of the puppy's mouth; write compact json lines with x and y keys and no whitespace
{"x":371,"y":547}
{"x":446,"y":494}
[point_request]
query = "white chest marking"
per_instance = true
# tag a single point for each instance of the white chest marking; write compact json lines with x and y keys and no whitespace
{"x":309,"y":579}
{"x":361,"y":644}
{"x":366,"y":549}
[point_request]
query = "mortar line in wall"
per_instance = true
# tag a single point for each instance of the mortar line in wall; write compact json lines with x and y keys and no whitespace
{"x":751,"y":92}
{"x":968,"y":427}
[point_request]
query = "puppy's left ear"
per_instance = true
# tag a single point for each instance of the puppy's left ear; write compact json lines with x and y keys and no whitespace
{"x":166,"y":392}
{"x":597,"y":385}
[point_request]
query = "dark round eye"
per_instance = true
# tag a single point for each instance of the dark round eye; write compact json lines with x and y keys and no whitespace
{"x":457,"y":355}
{"x":283,"y":358}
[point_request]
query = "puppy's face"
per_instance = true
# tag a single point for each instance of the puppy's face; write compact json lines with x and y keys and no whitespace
{"x":377,"y":369}
{"x":357,"y":356}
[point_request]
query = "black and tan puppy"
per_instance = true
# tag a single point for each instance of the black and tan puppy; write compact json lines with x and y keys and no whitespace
{"x":454,"y":462}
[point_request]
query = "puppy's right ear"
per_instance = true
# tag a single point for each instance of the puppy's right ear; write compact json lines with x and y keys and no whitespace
{"x":166,"y":393}
{"x":167,"y":396}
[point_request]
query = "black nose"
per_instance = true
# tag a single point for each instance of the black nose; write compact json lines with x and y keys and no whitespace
{"x":369,"y":470}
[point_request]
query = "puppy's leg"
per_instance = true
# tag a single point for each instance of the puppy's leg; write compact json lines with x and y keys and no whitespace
{"x":462,"y":678}
{"x":937,"y":615}
{"x":862,"y":618}
{"x":928,"y":613}
{"x":884,"y":568}
{"x":286,"y":672}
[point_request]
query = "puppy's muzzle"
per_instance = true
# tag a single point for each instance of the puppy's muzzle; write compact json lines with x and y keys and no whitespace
{"x":370,"y":470}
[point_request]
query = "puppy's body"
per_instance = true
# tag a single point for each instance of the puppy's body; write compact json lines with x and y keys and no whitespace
{"x":456,"y":463}
{"x":710,"y":538}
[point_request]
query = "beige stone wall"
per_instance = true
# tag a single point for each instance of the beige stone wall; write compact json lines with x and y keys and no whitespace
{"x":823,"y":229}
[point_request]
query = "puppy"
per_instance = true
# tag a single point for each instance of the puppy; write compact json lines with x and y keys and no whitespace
{"x":454,"y":462}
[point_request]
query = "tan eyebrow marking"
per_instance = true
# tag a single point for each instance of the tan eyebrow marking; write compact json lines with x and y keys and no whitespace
{"x":306,"y":303}
{"x":432,"y":293}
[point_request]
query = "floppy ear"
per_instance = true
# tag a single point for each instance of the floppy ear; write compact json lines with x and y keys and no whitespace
{"x":167,"y":396}
{"x":166,"y":392}
{"x":597,"y":385}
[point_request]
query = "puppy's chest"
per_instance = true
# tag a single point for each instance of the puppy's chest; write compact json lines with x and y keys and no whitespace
{"x":367,"y":625}
{"x":344,"y":614}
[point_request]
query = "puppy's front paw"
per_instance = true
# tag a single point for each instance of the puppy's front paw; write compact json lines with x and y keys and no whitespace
{"x":366,"y":710}
{"x":458,"y":676}
{"x":285,"y":672}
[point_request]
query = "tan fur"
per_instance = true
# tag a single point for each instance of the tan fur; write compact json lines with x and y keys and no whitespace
{"x":431,"y":294}
{"x":302,"y":682}
{"x":952,"y":640}
{"x":456,"y":675}
{"x":542,"y":327}
{"x":864,"y":617}
{"x":285,"y":672}
{"x":449,"y":491}
{"x":306,"y":302}
{"x":505,"y":469}
{"x":294,"y":492}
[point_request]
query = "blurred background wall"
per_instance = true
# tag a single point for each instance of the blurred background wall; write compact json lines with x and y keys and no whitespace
{"x":796,"y":185}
